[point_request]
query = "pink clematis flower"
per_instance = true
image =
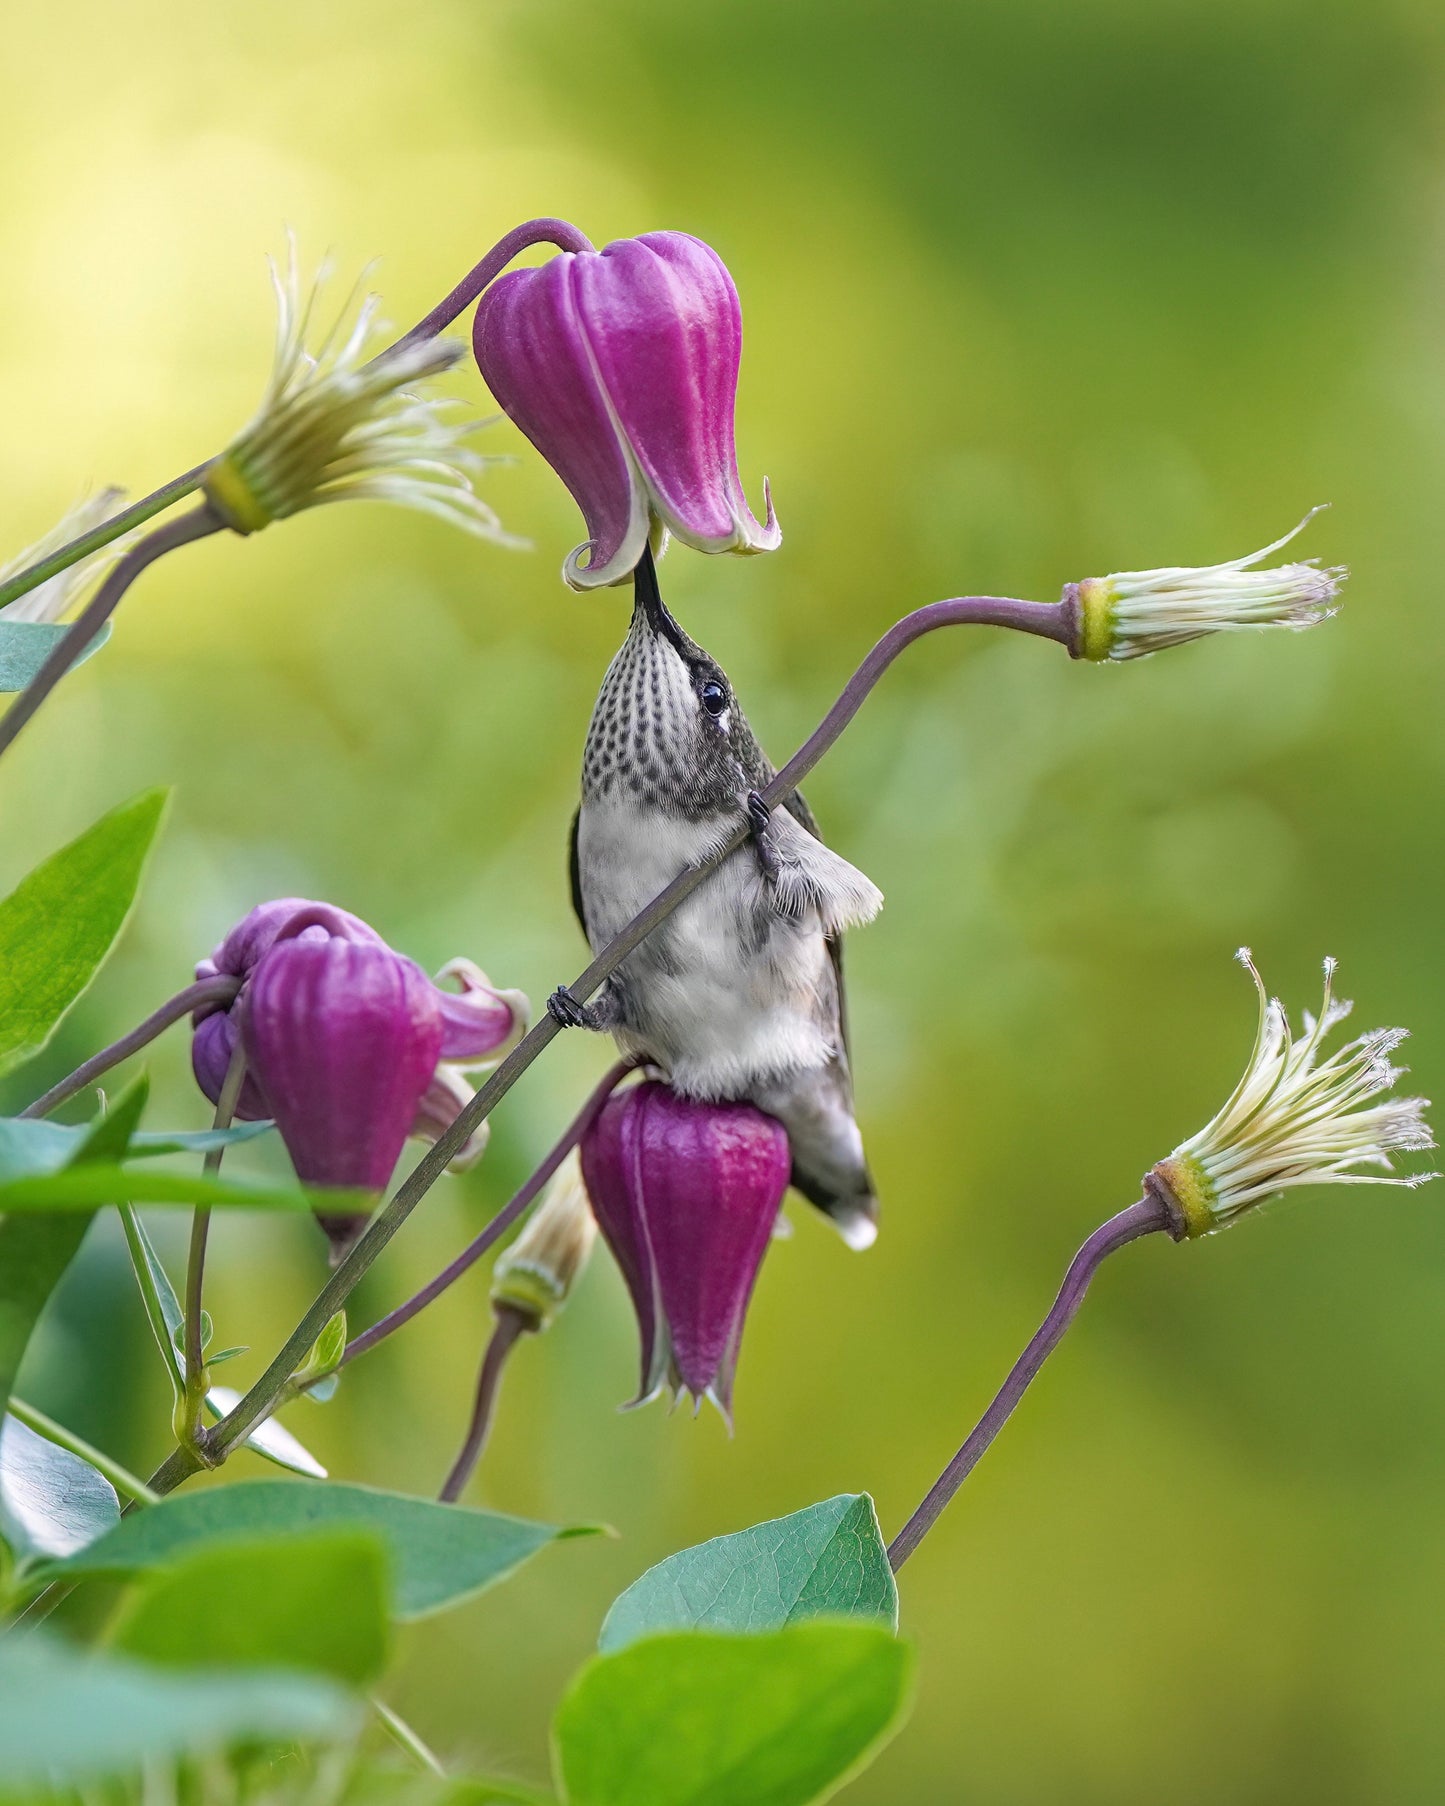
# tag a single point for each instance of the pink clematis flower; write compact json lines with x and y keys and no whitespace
{"x":686,"y":1195}
{"x":621,"y":367}
{"x":349,"y":1045}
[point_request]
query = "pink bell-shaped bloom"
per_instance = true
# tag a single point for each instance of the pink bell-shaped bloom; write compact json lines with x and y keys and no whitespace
{"x":621,"y":367}
{"x":686,"y":1195}
{"x":343,"y":1037}
{"x":347,"y":1000}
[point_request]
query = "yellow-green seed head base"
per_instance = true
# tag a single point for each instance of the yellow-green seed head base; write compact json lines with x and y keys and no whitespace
{"x":233,"y":498}
{"x":1096,"y":618}
{"x":1189,"y":1187}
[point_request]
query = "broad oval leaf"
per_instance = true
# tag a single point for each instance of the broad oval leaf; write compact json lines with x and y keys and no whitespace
{"x":59,"y":923}
{"x":52,"y":1503}
{"x":826,"y":1561}
{"x":25,"y":646}
{"x":701,"y":1719}
{"x":439,"y":1554}
{"x":68,"y":1717}
{"x":317,"y":1602}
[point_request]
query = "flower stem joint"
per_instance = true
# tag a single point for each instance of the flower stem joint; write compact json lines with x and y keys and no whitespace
{"x":349,"y":1045}
{"x":687,"y":1196}
{"x":621,"y":367}
{"x":1130,"y":614}
{"x":1296,"y":1117}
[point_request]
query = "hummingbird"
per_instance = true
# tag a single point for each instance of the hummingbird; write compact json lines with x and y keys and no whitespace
{"x":739,"y":993}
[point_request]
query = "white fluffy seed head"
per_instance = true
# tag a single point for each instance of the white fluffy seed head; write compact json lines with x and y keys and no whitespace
{"x":1130,"y":614}
{"x":1298,"y":1118}
{"x":338,"y":422}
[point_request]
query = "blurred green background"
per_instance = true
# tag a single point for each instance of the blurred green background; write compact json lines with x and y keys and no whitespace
{"x":1032,"y":291}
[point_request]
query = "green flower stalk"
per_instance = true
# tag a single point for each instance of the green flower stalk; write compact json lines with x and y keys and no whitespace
{"x":1130,"y":614}
{"x":530,"y":1284}
{"x":340,"y":423}
{"x":51,"y":600}
{"x":1295,"y":1118}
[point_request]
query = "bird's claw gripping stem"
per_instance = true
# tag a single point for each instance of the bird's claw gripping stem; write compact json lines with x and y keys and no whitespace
{"x":760,"y":818}
{"x":567,"y":1012}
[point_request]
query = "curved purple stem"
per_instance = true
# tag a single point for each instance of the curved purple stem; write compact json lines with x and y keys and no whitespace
{"x":499,"y":1224}
{"x":557,"y":232}
{"x":195,"y":524}
{"x":221,"y":989}
{"x":512,"y":1324}
{"x":1144,"y":1218}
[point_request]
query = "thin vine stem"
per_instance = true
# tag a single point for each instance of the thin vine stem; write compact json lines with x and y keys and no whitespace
{"x":1146,"y":1217}
{"x":511,"y":1326}
{"x":109,"y":530}
{"x":195,"y":1400}
{"x":121,"y":1478}
{"x":195,"y":524}
{"x":221,"y":990}
{"x":559,"y":232}
{"x":499,"y":1224}
{"x":1050,"y":620}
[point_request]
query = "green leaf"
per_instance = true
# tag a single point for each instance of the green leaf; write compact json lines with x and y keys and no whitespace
{"x":699,"y":1719}
{"x":58,"y":925}
{"x":34,"y":1252}
{"x":317,"y":1602}
{"x":51,"y":1502}
{"x":68,"y":1716}
{"x":25,"y":646}
{"x":105,"y":1182}
{"x":439,"y":1554}
{"x":31,"y":1145}
{"x":827,"y":1561}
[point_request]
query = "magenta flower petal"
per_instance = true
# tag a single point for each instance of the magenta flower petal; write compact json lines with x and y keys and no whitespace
{"x":480,"y":1020}
{"x":686,"y":1195}
{"x":533,"y":353}
{"x":343,"y":1038}
{"x":621,"y":367}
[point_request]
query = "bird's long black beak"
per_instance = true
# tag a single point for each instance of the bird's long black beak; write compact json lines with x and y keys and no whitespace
{"x":649,"y":604}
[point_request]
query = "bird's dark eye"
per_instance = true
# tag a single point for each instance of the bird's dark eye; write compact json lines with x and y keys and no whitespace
{"x":714,"y":697}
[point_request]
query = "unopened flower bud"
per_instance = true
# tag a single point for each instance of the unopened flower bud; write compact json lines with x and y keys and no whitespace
{"x":341,"y":422}
{"x":621,"y":367}
{"x":321,"y":1016}
{"x":686,"y":1195}
{"x":537,"y":1272}
{"x":1132,"y":613}
{"x":49,"y":601}
{"x":1295,"y":1119}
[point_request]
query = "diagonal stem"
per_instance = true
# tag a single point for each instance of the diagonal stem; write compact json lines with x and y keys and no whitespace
{"x":191,"y":526}
{"x":103,"y":535}
{"x":219,"y":990}
{"x":1144,"y":1218}
{"x":512,"y":1325}
{"x":499,"y":1224}
{"x":1050,"y":620}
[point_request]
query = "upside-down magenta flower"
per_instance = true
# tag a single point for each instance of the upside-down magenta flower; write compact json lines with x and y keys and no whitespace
{"x":348,"y":1044}
{"x":686,"y":1195}
{"x":621,"y":367}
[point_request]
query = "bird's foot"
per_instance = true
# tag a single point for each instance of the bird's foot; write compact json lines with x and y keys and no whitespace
{"x":760,"y":818}
{"x":567,"y":1012}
